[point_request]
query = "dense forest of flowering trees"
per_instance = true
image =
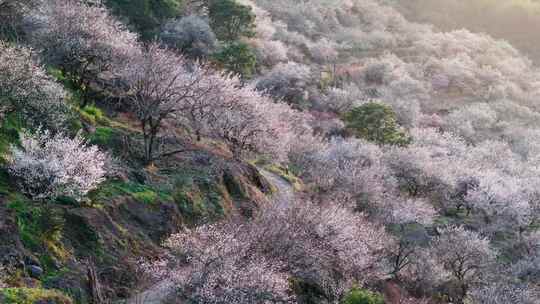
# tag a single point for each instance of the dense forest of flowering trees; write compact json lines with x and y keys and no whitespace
{"x":391,"y":125}
{"x":512,"y":20}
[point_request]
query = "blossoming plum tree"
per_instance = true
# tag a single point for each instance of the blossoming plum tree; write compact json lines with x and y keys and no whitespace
{"x":47,"y":166}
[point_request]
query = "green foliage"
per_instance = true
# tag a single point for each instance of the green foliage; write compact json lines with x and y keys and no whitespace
{"x":376,"y":122}
{"x":234,"y":187}
{"x":32,"y":296}
{"x":189,"y":204}
{"x":238,"y":58}
{"x":362,"y":296}
{"x":146,"y":196}
{"x":111,"y":138}
{"x":230,"y":20}
{"x":146,"y":15}
{"x":4,"y":182}
{"x":88,"y":118}
{"x":71,"y":84}
{"x":26,"y":216}
{"x":94,"y":111}
{"x":37,"y":224}
{"x":9,"y":133}
{"x":41,"y":230}
{"x":103,"y":136}
{"x":142,"y":193}
{"x":93,"y":115}
{"x":196,"y":194}
{"x":198,"y":201}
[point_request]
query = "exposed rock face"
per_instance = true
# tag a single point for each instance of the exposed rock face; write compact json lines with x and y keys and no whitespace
{"x":35,"y":271}
{"x":12,"y":252}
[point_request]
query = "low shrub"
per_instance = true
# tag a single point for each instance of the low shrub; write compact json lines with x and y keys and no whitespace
{"x":32,"y":296}
{"x":376,"y":122}
{"x":362,"y":296}
{"x":146,"y":196}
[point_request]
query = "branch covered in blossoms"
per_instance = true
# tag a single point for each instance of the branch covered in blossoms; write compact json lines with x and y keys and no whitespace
{"x":47,"y":166}
{"x":28,"y":90}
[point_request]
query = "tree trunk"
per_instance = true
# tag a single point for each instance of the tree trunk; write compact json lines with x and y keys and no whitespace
{"x":93,"y":284}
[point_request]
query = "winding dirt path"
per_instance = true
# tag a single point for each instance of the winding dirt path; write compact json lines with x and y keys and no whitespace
{"x":284,"y":190}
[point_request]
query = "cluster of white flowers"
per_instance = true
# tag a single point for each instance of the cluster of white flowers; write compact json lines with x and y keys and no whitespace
{"x":26,"y":88}
{"x":252,"y":262}
{"x":222,"y":268}
{"x":165,"y":87}
{"x":47,"y":166}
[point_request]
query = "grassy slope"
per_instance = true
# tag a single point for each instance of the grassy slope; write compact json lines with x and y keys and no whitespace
{"x":126,"y":217}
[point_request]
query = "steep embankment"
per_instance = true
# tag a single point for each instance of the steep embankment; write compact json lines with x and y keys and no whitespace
{"x":283,"y":193}
{"x":125,"y":219}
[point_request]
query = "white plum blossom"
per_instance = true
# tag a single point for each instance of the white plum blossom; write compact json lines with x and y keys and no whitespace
{"x":81,"y":38}
{"x":47,"y":166}
{"x":191,"y":35}
{"x":253,"y":261}
{"x":27,"y":89}
{"x":465,"y":263}
{"x":502,"y":294}
{"x":221,"y":269}
{"x":165,"y":87}
{"x":412,"y":211}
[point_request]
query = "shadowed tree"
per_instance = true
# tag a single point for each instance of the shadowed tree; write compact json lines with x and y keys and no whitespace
{"x":375,"y":122}
{"x":231,"y":20}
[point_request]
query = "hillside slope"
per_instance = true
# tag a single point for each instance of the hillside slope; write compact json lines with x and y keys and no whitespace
{"x":263,"y":151}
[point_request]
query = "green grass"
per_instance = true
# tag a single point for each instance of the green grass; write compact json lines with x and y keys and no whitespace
{"x":27,"y":216}
{"x":83,"y":237}
{"x":362,"y":296}
{"x":142,"y":193}
{"x":40,"y":228}
{"x":9,"y":133}
{"x":146,"y":196}
{"x":196,"y":193}
{"x":32,"y":296}
{"x":198,"y":200}
{"x":103,"y":136}
{"x":94,"y":111}
{"x":94,"y":116}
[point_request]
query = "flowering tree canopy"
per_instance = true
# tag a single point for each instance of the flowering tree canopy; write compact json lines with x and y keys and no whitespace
{"x":28,"y":90}
{"x":47,"y":166}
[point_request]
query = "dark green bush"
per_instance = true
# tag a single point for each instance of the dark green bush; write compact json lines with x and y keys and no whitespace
{"x":230,"y":20}
{"x":362,"y":296}
{"x":376,"y":122}
{"x":238,"y":58}
{"x":103,"y":136}
{"x":146,"y":15}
